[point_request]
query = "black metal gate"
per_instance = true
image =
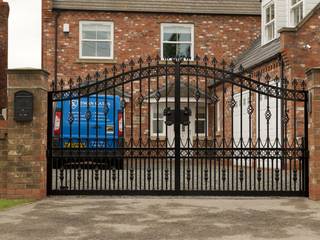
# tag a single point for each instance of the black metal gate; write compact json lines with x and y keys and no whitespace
{"x":178,"y":128}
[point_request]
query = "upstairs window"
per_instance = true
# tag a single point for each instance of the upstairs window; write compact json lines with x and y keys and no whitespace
{"x":270,"y":22}
{"x":96,"y":40}
{"x":177,"y":40}
{"x":296,"y":11}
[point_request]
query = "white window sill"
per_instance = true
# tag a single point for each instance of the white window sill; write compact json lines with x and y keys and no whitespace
{"x":95,"y":61}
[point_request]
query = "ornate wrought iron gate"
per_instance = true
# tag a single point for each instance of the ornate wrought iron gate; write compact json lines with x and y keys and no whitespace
{"x":178,"y":127}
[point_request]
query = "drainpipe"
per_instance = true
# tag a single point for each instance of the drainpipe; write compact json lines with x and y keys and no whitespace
{"x":56,"y":49}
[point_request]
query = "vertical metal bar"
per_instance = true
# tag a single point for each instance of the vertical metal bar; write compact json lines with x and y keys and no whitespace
{"x":306,"y":147}
{"x":50,"y":159}
{"x":167,"y":140}
{"x":177,"y":125}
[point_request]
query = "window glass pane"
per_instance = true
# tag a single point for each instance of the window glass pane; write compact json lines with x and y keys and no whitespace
{"x":185,"y":37}
{"x":184,"y":50}
{"x":103,"y":49}
{"x":89,"y":31}
{"x":170,"y":37}
{"x":177,"y":33}
{"x":103,"y":32}
{"x":88,"y":49}
{"x":169,"y":50}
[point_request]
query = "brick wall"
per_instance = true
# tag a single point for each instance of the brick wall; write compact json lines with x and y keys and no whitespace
{"x":4,"y":13}
{"x":138,"y":34}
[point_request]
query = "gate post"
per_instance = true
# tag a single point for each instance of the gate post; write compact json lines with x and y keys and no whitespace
{"x":313,"y":77}
{"x":27,"y":134}
{"x":177,"y":124}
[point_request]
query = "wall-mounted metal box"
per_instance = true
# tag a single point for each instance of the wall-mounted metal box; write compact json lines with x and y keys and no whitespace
{"x":23,"y":106}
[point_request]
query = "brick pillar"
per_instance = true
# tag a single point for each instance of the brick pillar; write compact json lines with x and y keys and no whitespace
{"x":3,"y":158}
{"x":313,"y":76}
{"x":4,"y":14}
{"x":26,"y":161}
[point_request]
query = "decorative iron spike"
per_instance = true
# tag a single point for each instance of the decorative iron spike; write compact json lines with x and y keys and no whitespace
{"x":61,"y":83}
{"x":158,"y":58}
{"x":114,"y":69}
{"x":232,"y":66}
{"x":197,"y":58}
{"x":79,"y":80}
{"x":241,"y":69}
{"x":205,"y":59}
{"x":294,"y":83}
{"x":223,"y":63}
{"x":140,"y":61}
{"x":70,"y":82}
{"x":97,"y":75}
{"x":267,"y":77}
{"x":214,"y":61}
{"x":276,"y":79}
{"x":88,"y":78}
{"x":132,"y":63}
{"x":123,"y":66}
{"x":105,"y":72}
{"x":149,"y":59}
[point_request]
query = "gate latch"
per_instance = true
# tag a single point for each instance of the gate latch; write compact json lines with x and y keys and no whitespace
{"x":184,"y":116}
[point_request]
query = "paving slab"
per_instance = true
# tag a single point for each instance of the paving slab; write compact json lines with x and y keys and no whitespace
{"x":162,"y":218}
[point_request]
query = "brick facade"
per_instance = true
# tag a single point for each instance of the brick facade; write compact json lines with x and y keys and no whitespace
{"x":300,"y":51}
{"x":4,"y":14}
{"x":138,"y":34}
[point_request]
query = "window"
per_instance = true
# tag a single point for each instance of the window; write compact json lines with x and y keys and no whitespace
{"x":269,"y":22}
{"x":177,"y":40}
{"x":200,"y":121}
{"x":157,"y":121}
{"x":296,"y":11}
{"x":96,"y":40}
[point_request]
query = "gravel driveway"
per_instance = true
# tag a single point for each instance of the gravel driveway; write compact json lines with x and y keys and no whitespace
{"x":149,"y":218}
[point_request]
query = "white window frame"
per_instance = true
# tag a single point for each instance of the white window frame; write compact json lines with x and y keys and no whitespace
{"x":163,"y":25}
{"x":291,"y":8}
{"x":268,"y":24}
{"x":154,"y":111}
{"x":111,"y":24}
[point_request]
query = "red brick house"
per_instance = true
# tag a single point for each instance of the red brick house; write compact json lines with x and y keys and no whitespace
{"x":84,"y":37}
{"x":4,"y":14}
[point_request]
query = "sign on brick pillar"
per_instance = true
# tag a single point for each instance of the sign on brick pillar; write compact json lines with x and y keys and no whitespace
{"x":26,"y":161}
{"x":313,"y":76}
